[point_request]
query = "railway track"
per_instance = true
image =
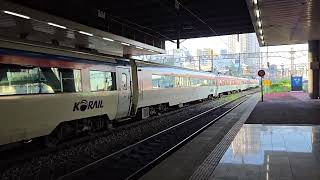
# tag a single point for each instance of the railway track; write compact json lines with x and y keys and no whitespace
{"x":19,"y":163}
{"x":133,"y":161}
{"x":20,"y":152}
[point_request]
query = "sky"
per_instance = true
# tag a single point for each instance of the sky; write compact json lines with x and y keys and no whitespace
{"x":300,"y":56}
{"x":216,"y":43}
{"x":220,"y":42}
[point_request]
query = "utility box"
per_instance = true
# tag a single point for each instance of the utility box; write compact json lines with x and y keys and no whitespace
{"x":296,"y":83}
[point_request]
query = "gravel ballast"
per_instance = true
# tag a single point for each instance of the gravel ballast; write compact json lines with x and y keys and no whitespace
{"x":60,"y":162}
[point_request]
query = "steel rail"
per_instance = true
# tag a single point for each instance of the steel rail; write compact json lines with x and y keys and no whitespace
{"x":141,"y":170}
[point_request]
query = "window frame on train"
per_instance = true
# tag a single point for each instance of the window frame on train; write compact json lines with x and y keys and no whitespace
{"x":179,"y":81}
{"x":112,"y":80}
{"x":40,"y":82}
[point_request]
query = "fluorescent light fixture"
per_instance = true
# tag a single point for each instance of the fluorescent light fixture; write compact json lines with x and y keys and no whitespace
{"x":261,"y":37}
{"x":260,"y":31}
{"x":85,"y":33}
{"x":57,"y":25}
{"x":139,"y":47}
{"x":16,"y":14}
{"x":255,"y":2}
{"x":257,"y":13}
{"x":259,"y":23}
{"x":126,"y":44}
{"x":108,"y":39}
{"x":150,"y":50}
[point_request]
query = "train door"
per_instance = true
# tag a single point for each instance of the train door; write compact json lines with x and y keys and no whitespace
{"x":124,"y":91}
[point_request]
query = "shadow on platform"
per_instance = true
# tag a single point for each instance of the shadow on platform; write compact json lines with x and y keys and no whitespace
{"x":286,"y":108}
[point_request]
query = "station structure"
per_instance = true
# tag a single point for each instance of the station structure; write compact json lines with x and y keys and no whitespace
{"x":128,"y":28}
{"x":289,"y":22}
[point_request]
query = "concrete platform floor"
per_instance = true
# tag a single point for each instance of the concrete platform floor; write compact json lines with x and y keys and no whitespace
{"x":272,"y":152}
{"x":286,"y":108}
{"x":281,"y":143}
{"x":184,"y":162}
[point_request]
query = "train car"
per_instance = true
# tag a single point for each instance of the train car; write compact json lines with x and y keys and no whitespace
{"x":164,"y":86}
{"x":60,"y":94}
{"x":169,"y":86}
{"x":42,"y":94}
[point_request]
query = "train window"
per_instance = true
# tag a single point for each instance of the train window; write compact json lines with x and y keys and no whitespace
{"x":102,"y":81}
{"x":70,"y":80}
{"x":205,"y":82}
{"x":156,"y":81}
{"x":184,"y":82}
{"x":194,"y":82}
{"x":61,"y":79}
{"x":212,"y":82}
{"x":169,"y":81}
{"x":15,"y":79}
{"x":163,"y":81}
{"x":178,"y":83}
{"x":181,"y":81}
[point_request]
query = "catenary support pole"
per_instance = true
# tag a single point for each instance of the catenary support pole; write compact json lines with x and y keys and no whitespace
{"x":314,"y":61}
{"x":261,"y":83}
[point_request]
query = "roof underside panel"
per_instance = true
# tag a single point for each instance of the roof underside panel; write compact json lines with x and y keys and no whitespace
{"x":288,"y":21}
{"x":157,"y":18}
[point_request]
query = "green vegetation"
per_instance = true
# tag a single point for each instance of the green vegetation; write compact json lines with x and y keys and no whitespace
{"x":281,"y":86}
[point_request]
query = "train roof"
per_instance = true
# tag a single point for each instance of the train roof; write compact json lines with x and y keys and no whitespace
{"x":149,"y":64}
{"x":41,"y":49}
{"x":65,"y":53}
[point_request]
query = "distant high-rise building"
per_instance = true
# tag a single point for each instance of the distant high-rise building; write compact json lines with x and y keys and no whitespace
{"x":248,"y":48}
{"x":206,"y":52}
{"x":205,"y":57}
{"x":223,"y":51}
{"x":249,"y":43}
{"x":232,"y":44}
{"x":273,"y":72}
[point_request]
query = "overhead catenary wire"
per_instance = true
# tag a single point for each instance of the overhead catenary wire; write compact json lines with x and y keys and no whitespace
{"x":117,"y":19}
{"x":162,"y":35}
{"x":199,"y":19}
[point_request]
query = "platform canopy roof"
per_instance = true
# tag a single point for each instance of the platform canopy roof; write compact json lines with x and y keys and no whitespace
{"x":285,"y":21}
{"x":160,"y":18}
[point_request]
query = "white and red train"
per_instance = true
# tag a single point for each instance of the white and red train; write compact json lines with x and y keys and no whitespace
{"x":57,"y":93}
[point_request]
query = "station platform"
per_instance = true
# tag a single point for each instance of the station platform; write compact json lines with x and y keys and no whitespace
{"x":286,"y":108}
{"x":275,"y":139}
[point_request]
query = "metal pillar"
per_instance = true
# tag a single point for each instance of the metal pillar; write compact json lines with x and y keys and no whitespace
{"x":314,"y":60}
{"x":177,"y":6}
{"x":178,"y":39}
{"x":293,"y":70}
{"x":261,"y":84}
{"x":239,"y":68}
{"x":127,"y":52}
